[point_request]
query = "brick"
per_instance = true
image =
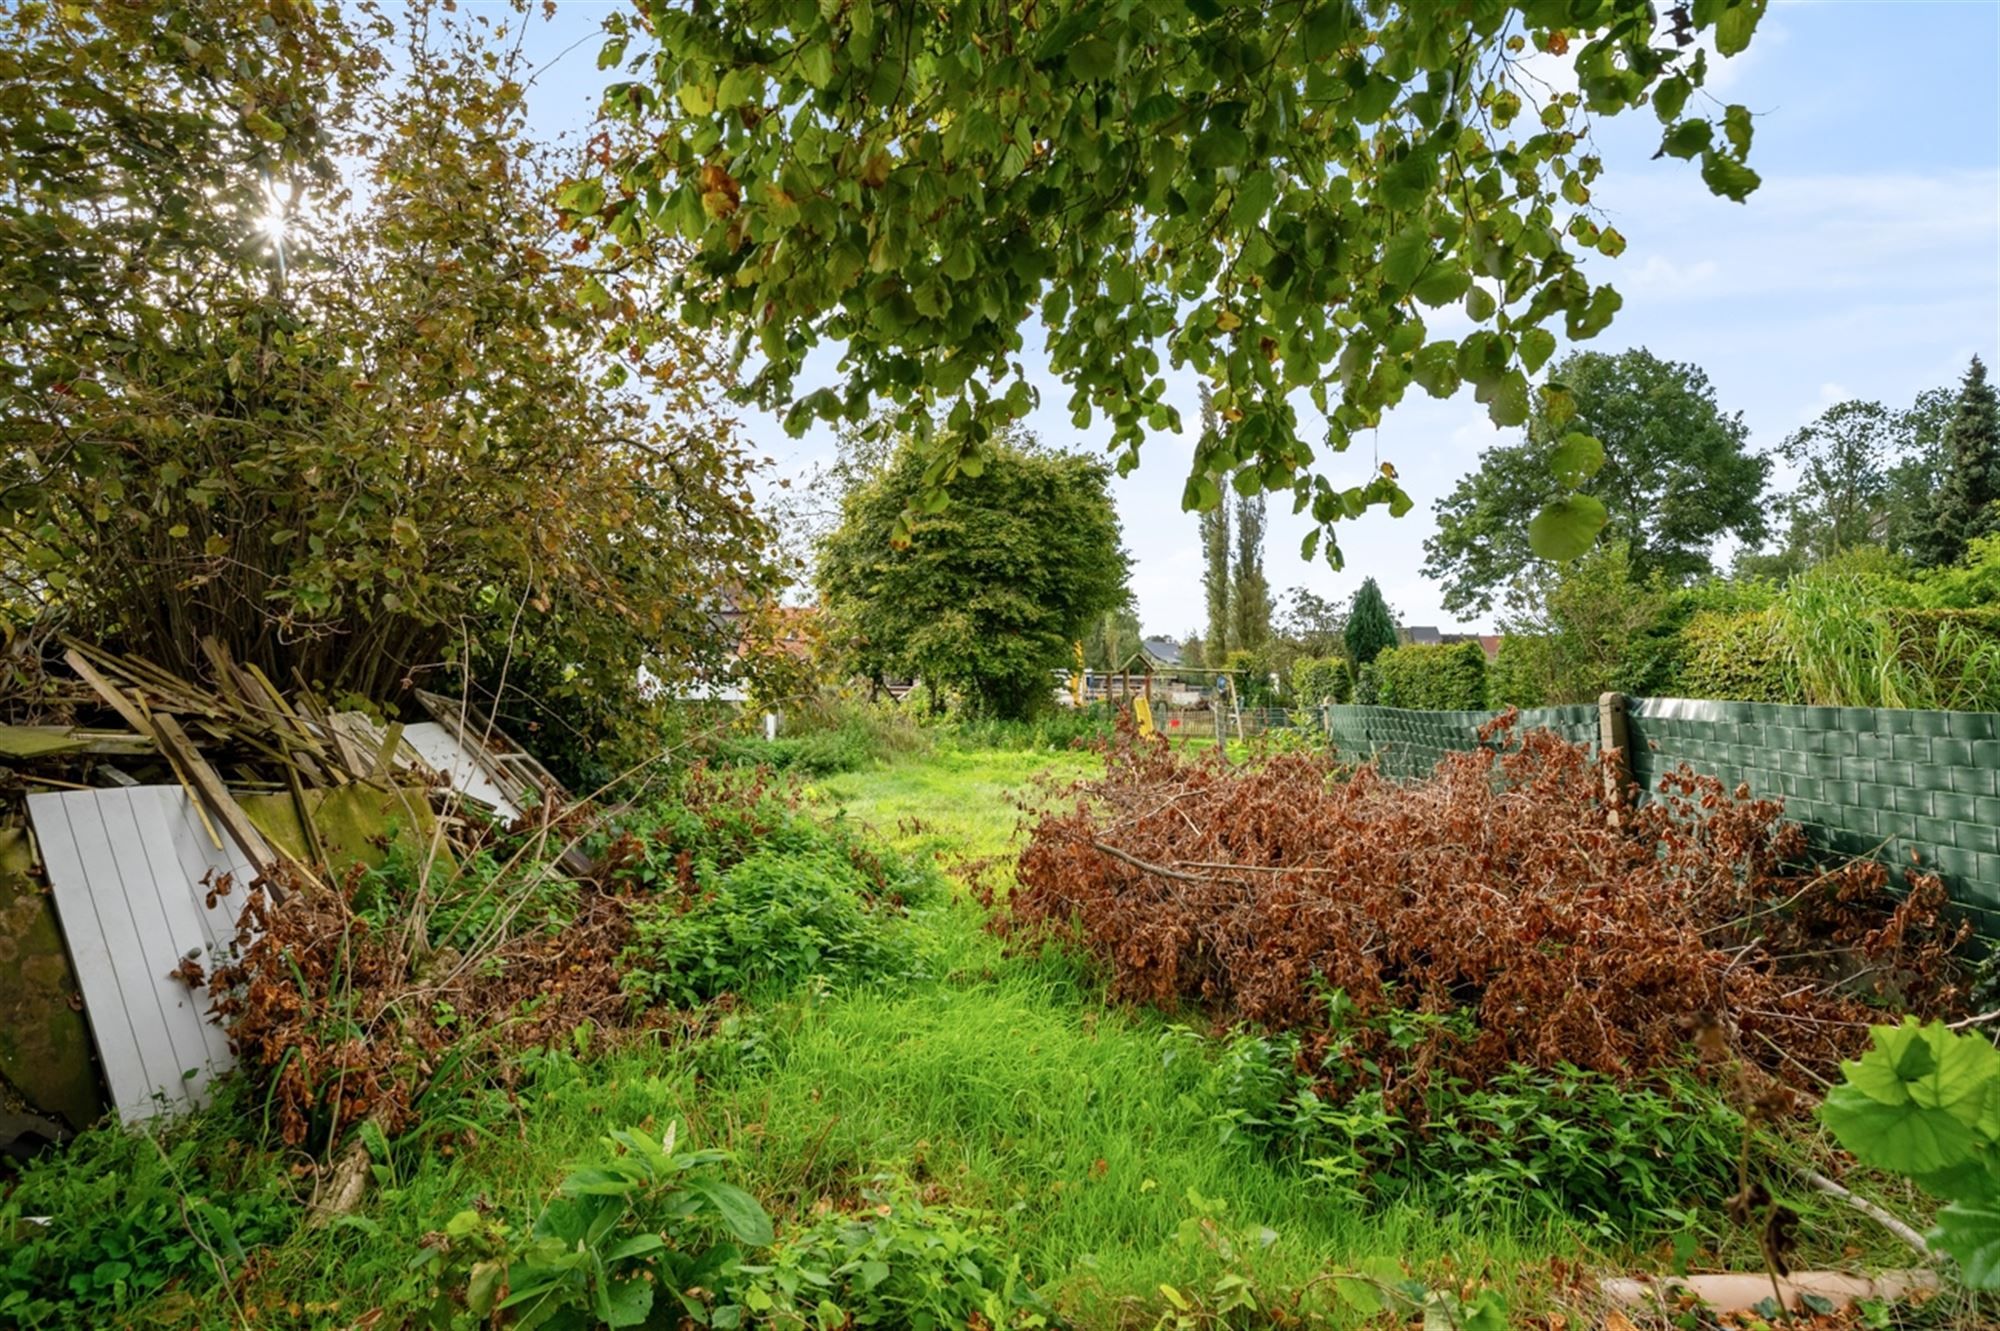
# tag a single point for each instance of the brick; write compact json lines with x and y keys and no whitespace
{"x":1843,"y":794}
{"x":1975,"y":781}
{"x":1949,"y":752}
{"x":1857,"y":769}
{"x":1975,"y":725}
{"x":1893,"y":721}
{"x":1958,"y":808}
{"x":1989,"y":870}
{"x":1981,"y":837}
{"x":1895,"y":773}
{"x":1931,"y":724}
{"x":1989,"y":810}
{"x":1838,"y":743}
{"x":1873,"y":744}
{"x":1822,"y":765}
{"x":1910,"y":749}
{"x":1911,"y":800}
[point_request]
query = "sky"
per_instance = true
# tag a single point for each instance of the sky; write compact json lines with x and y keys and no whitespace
{"x":1866,"y":266}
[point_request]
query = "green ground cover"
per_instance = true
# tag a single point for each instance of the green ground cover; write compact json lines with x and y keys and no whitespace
{"x":1116,"y":1156}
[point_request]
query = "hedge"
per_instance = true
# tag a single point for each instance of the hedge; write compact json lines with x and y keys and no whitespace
{"x":1322,"y":679}
{"x":1440,"y":677}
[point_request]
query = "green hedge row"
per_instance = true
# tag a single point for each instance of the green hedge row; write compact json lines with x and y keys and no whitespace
{"x":1443,"y":677}
{"x":1322,"y":679}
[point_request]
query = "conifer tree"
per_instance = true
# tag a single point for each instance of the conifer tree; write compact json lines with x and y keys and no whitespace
{"x":1371,"y":628}
{"x":1968,"y":500}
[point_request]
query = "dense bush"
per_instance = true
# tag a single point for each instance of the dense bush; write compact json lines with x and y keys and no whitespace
{"x":1368,"y":685}
{"x":1560,"y":1142}
{"x":895,"y":1262}
{"x":1055,"y":728}
{"x":1539,"y":923}
{"x":768,"y":922}
{"x":1734,"y":658}
{"x":1322,"y":679}
{"x":1519,"y":674}
{"x":1434,"y":676}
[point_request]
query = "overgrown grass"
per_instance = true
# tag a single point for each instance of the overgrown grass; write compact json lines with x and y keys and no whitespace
{"x":1105,"y":1146}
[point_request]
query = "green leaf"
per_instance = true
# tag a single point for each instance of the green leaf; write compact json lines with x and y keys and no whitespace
{"x":1220,"y":146}
{"x":1736,"y":25}
{"x":626,"y":1302}
{"x":1441,"y":283}
{"x":1406,"y":254}
{"x":1507,"y":399}
{"x":1537,"y":345}
{"x":264,"y":127}
{"x":1479,"y":305}
{"x":1687,"y":140}
{"x":1904,"y":1137}
{"x":1576,"y":459}
{"x":1727,"y":177}
{"x":737,"y":1209}
{"x":1670,"y":97}
{"x":1971,"y":1234}
{"x":1567,"y":527}
{"x":582,"y":197}
{"x":1093,"y":59}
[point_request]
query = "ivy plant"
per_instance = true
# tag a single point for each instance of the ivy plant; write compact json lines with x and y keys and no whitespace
{"x":1302,"y":199}
{"x":1925,"y":1102}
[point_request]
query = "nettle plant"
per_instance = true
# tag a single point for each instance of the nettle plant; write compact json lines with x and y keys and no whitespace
{"x":1285,"y":197}
{"x":651,"y":1217}
{"x":1925,"y":1102}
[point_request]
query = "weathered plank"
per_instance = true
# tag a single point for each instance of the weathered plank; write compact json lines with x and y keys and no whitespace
{"x":441,"y":749}
{"x":127,"y":867}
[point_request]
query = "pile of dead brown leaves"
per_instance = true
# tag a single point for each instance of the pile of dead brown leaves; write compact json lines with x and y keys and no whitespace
{"x":1514,"y":886}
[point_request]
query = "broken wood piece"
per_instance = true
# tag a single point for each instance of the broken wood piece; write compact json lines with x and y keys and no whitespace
{"x":1741,"y":1291}
{"x":110,"y":692}
{"x":210,"y":791}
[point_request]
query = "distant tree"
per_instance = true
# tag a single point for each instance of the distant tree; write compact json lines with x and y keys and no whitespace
{"x":1371,"y":626}
{"x":1194,"y":652}
{"x":1249,"y":590}
{"x":1968,"y":501}
{"x":1843,"y":460}
{"x":1914,"y":476}
{"x":1214,"y":524}
{"x":1588,"y":618}
{"x":988,"y":595}
{"x":1112,"y":639}
{"x":1676,"y":473}
{"x":1312,"y":623}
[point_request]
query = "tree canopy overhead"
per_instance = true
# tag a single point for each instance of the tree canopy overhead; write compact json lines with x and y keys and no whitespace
{"x":1667,"y":469}
{"x":1279,"y":195}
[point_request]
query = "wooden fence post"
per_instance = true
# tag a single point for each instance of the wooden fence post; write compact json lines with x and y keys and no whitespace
{"x":1614,"y":740}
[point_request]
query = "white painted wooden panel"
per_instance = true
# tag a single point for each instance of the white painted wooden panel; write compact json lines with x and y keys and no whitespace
{"x":441,"y":749}
{"x":127,"y":870}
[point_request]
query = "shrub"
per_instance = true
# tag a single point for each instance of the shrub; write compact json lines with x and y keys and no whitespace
{"x":1557,"y":1142}
{"x":1056,"y":728}
{"x":644,"y":1218}
{"x":1434,"y":676}
{"x":1520,"y":673}
{"x":1368,"y":685}
{"x":1322,"y":679}
{"x":1735,"y":658}
{"x":773,"y":920}
{"x":1535,"y":922}
{"x":897,"y":1262}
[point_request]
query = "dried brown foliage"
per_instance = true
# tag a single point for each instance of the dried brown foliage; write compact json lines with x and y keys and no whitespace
{"x":346,"y":1022}
{"x":1514,"y":886}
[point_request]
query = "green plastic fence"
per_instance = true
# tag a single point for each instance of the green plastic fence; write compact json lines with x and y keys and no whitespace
{"x":1861,"y":781}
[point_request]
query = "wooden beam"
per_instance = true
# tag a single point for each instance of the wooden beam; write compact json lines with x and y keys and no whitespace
{"x":210,"y":791}
{"x":111,"y":693}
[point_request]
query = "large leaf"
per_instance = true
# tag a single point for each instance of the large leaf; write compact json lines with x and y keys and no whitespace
{"x":1971,"y":1234}
{"x":1566,"y":528}
{"x":738,"y":1210}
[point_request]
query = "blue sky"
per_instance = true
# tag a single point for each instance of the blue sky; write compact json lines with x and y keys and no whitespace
{"x":1868,"y":265}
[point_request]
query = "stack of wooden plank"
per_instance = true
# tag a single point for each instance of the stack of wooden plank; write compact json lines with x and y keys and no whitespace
{"x":149,"y":838}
